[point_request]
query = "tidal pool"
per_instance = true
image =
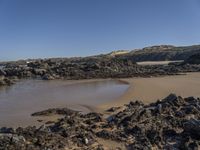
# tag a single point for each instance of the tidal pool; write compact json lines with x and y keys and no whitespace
{"x":20,"y":100}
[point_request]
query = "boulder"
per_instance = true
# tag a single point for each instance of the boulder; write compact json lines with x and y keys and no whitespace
{"x":47,"y":77}
{"x":194,"y":59}
{"x":192,"y":127}
{"x":2,"y":72}
{"x":6,"y":130}
{"x":54,"y":111}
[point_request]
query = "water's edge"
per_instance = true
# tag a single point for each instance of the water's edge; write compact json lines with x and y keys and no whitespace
{"x":18,"y":101}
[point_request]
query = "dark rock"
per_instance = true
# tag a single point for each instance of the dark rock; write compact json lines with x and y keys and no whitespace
{"x":93,"y":117}
{"x":172,"y":123}
{"x":53,"y":111}
{"x":6,"y":130}
{"x":192,"y":127}
{"x":189,"y":110}
{"x":103,"y":66}
{"x":190,"y":100}
{"x":47,"y":77}
{"x":193,"y":146}
{"x":49,"y":122}
{"x":113,"y":109}
{"x":193,"y":59}
{"x":153,"y":136}
{"x":2,"y":72}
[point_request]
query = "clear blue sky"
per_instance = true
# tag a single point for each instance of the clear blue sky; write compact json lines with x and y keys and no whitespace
{"x":53,"y":28}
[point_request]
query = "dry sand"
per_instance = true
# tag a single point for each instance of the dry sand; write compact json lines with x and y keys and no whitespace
{"x":146,"y":63}
{"x":150,"y":89}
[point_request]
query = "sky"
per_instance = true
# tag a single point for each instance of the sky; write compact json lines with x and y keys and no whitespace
{"x":66,"y":28}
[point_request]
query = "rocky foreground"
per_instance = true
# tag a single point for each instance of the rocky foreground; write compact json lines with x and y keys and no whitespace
{"x":171,"y":123}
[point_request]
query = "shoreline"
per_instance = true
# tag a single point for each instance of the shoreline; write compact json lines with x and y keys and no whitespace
{"x":134,"y":92}
{"x":120,"y":131}
{"x":148,"y":90}
{"x":81,"y":95}
{"x":145,"y":89}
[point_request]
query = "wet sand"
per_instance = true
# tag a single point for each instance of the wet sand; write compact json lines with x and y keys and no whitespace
{"x":150,"y":89}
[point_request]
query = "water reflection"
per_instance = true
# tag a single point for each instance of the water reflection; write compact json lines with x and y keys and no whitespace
{"x":17,"y":102}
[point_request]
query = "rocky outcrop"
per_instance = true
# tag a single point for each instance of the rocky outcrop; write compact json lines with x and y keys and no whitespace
{"x":115,"y":65}
{"x":55,"y":111}
{"x":171,"y":123}
{"x":164,"y":52}
{"x":194,"y":59}
{"x":5,"y":81}
{"x":93,"y":67}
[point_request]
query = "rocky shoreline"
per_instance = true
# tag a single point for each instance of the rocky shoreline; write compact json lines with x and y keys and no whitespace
{"x":170,"y":123}
{"x":119,"y":66}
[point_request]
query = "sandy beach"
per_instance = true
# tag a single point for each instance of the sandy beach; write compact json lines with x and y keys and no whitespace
{"x":150,"y":89}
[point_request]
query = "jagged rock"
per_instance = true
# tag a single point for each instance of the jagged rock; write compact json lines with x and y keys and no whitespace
{"x":5,"y":81}
{"x":161,"y":125}
{"x":6,"y":130}
{"x":2,"y":72}
{"x":40,"y":72}
{"x":193,"y":59}
{"x":106,"y":134}
{"x":113,"y":109}
{"x":192,"y":127}
{"x":47,"y":77}
{"x":54,"y":111}
{"x":101,"y":66}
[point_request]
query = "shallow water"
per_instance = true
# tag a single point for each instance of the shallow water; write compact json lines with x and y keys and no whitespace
{"x":17,"y":102}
